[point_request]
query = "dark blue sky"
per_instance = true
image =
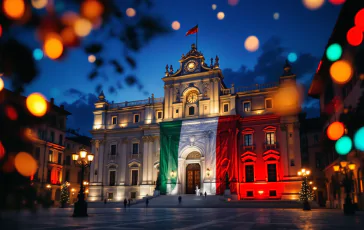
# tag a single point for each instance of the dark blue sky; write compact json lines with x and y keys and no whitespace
{"x":298,"y":30}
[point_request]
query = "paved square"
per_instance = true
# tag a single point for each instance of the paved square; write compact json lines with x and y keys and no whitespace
{"x":184,"y":218}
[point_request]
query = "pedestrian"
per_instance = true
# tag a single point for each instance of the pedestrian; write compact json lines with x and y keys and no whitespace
{"x":129,"y":202}
{"x":179,"y":200}
{"x":146,"y":202}
{"x":205,"y":194}
{"x":105,"y":201}
{"x":125,"y":203}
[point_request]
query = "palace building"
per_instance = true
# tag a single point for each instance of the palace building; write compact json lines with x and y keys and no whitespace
{"x":200,"y":134}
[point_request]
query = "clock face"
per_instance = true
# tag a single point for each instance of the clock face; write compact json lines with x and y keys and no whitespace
{"x":191,"y":66}
{"x":192,"y":97}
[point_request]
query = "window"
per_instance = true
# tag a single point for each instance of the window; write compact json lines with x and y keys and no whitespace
{"x":135,"y":148}
{"x":247,"y":106}
{"x":191,"y":110}
{"x":60,"y":141}
{"x":37,"y":153}
{"x":114,"y":120}
{"x":110,"y":196}
{"x":61,"y":123}
{"x":249,"y":194}
{"x":136,"y":118}
{"x":133,"y":195}
{"x":59,"y":158}
{"x":272,"y":193}
{"x":248,"y":139}
{"x":112,"y":178}
{"x":226,"y":108}
{"x":176,"y":110}
{"x":159,"y":115}
{"x":134,"y":177}
{"x":249,"y":173}
{"x":272,"y":172}
{"x":268,"y":103}
{"x":52,"y":137}
{"x":68,"y":160}
{"x":270,"y":138}
{"x":113,"y":150}
{"x":67,"y":176}
{"x":50,"y":156}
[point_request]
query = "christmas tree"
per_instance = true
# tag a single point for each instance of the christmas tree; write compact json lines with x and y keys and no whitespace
{"x":306,"y":193}
{"x":65,"y":196}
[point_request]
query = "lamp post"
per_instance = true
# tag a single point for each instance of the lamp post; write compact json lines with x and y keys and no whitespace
{"x":305,"y":173}
{"x":82,"y":159}
{"x":346,"y":168}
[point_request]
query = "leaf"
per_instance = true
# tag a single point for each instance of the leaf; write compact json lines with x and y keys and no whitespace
{"x":117,"y":66}
{"x":93,"y":48}
{"x":151,"y":27}
{"x":130,"y":37}
{"x":98,"y":88}
{"x":93,"y":75}
{"x":99,"y":62}
{"x":131,"y":61}
{"x":112,"y":90}
{"x":130,"y":80}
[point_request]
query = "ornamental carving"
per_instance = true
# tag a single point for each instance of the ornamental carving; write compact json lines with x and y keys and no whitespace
{"x":193,"y":155}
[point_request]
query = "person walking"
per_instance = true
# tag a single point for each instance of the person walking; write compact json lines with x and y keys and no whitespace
{"x":146,"y":202}
{"x":205,"y":195}
{"x":179,"y":200}
{"x":125,"y":203}
{"x":129,"y":202}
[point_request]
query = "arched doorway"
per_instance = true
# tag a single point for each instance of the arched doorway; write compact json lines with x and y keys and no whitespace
{"x":193,"y":176}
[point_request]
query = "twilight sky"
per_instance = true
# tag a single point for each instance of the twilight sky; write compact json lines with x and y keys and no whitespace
{"x":298,"y":30}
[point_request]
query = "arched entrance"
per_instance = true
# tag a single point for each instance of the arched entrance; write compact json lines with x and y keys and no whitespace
{"x":193,"y":176}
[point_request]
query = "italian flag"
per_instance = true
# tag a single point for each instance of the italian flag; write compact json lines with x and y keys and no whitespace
{"x":216,"y":138}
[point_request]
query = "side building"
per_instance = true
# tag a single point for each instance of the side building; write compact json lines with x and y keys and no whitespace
{"x":200,"y":133}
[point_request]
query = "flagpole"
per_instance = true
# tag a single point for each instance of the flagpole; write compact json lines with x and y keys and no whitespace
{"x":196,"y":39}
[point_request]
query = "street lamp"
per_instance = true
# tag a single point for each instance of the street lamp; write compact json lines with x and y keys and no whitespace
{"x":83,"y":159}
{"x":347,"y":169}
{"x":305,"y":173}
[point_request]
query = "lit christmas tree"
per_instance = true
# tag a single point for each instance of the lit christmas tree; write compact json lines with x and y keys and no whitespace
{"x":65,"y":196}
{"x":306,"y":193}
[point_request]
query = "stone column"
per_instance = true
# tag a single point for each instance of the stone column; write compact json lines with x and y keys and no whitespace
{"x":217,"y":95}
{"x":212,"y":98}
{"x":145,"y":159}
{"x":171,"y":101}
{"x":123,"y":160}
{"x":94,"y":165}
{"x":166,"y":102}
{"x":101,"y":165}
{"x":150,"y":160}
{"x":181,"y":177}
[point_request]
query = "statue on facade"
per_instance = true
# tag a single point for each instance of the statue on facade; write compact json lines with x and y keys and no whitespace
{"x":177,"y":95}
{"x":197,"y":191}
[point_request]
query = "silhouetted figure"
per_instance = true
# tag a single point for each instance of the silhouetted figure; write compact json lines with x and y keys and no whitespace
{"x":125,"y":203}
{"x":146,"y":202}
{"x":179,"y":200}
{"x":129,"y":200}
{"x":105,"y":201}
{"x":205,"y":194}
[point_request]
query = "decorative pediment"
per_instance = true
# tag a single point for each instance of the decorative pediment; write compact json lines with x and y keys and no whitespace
{"x":134,"y":164}
{"x":247,"y":131}
{"x":248,"y":156}
{"x":271,"y":155}
{"x":112,"y":165}
{"x":270,"y":129}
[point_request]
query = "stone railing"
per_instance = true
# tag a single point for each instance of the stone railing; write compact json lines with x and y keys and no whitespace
{"x":225,"y":91}
{"x":150,"y":100}
{"x":256,"y":87}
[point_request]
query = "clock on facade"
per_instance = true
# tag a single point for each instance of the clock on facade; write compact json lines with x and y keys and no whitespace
{"x":191,"y":66}
{"x":192,"y":97}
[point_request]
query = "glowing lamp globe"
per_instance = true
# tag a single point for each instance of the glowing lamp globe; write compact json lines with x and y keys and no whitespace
{"x":335,"y":130}
{"x":36,"y":104}
{"x":341,"y":72}
{"x":343,"y":145}
{"x":251,"y":44}
{"x":355,"y":36}
{"x":359,"y":139}
{"x":359,"y":19}
{"x":334,"y":52}
{"x":313,"y":4}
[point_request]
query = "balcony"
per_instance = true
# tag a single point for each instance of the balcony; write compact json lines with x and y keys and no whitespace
{"x":270,"y":146}
{"x":135,"y":155}
{"x":112,"y":157}
{"x":249,"y":147}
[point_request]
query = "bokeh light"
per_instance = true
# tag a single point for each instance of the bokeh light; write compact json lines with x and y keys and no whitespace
{"x":25,"y":164}
{"x":335,"y":130}
{"x":1,"y":84}
{"x":69,"y":37}
{"x":91,"y":58}
{"x":214,"y":6}
{"x":53,"y":46}
{"x":1,"y":30}
{"x":334,"y":52}
{"x":92,"y":9}
{"x":9,"y":164}
{"x":14,"y":9}
{"x":233,"y":2}
{"x":251,"y":43}
{"x":37,"y":54}
{"x":176,"y":25}
{"x":276,"y":15}
{"x":313,"y":4}
{"x":343,"y":145}
{"x":39,"y":4}
{"x":337,"y":2}
{"x":341,"y":72}
{"x":36,"y":104}
{"x":355,"y":36}
{"x":11,"y":113}
{"x":82,"y":27}
{"x":359,"y":139}
{"x":220,"y":15}
{"x":292,"y":57}
{"x":2,"y":150}
{"x":359,"y":19}
{"x":288,"y":99}
{"x":130,"y":12}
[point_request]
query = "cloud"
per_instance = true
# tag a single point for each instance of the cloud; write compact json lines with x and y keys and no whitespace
{"x":82,"y":111}
{"x":270,"y":65}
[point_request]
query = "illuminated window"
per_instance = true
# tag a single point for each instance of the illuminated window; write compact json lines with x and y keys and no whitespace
{"x":268,"y":103}
{"x":249,"y":173}
{"x":50,"y":156}
{"x":272,"y":172}
{"x":191,"y":110}
{"x":247,"y":106}
{"x":135,"y":148}
{"x":159,"y":115}
{"x":226,"y":108}
{"x":270,"y":138}
{"x":136,"y":118}
{"x":113,"y":150}
{"x":248,"y":139}
{"x":134,"y":177}
{"x":112,"y":178}
{"x":114,"y":120}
